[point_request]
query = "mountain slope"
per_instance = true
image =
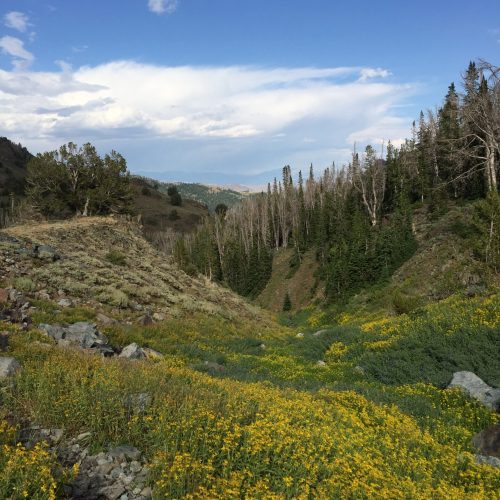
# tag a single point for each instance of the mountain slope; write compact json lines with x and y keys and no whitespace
{"x":106,"y":261}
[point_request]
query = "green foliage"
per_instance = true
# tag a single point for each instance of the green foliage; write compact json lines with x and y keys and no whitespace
{"x":77,"y":180}
{"x":24,"y":284}
{"x":116,"y":258}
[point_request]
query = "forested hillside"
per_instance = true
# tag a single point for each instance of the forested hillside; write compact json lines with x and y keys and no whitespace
{"x":358,"y":218}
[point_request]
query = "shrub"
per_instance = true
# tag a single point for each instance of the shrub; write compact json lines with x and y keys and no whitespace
{"x":115,"y":257}
{"x":287,"y":303}
{"x":24,"y":284}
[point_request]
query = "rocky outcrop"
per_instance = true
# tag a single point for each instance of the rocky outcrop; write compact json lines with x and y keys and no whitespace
{"x":81,"y":334}
{"x":477,"y":389}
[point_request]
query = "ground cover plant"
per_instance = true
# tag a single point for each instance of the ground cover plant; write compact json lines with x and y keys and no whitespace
{"x":271,"y":422}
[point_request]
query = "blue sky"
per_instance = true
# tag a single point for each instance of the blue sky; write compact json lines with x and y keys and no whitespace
{"x":227,"y":91}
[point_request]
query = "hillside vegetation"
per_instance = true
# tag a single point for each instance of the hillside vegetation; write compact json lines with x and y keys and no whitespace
{"x":339,"y":405}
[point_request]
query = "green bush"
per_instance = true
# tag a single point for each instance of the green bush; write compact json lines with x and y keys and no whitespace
{"x":116,"y":258}
{"x":24,"y":284}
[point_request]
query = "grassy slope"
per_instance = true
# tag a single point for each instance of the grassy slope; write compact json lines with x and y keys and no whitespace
{"x":372,"y":422}
{"x":156,"y":210}
{"x":147,"y":277}
{"x":299,"y":283}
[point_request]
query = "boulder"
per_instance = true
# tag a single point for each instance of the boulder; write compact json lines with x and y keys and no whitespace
{"x":132,"y":351}
{"x":8,"y":367}
{"x":85,"y":335}
{"x":487,"y":442}
{"x":46,"y":252}
{"x":477,"y":389}
{"x":64,"y":303}
{"x":82,"y":334}
{"x":124,"y":452}
{"x":321,"y":363}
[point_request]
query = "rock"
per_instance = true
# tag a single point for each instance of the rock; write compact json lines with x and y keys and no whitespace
{"x":152,"y":354}
{"x":319,"y":333}
{"x":113,"y":492}
{"x":45,"y":252}
{"x":4,"y":341}
{"x":64,"y":303}
{"x":4,"y":295}
{"x":299,"y":335}
{"x":125,"y":452}
{"x":158,"y":316}
{"x":145,"y":320}
{"x":487,"y":442}
{"x":321,"y":363}
{"x":8,"y":367}
{"x":132,"y":351}
{"x":263,"y":346}
{"x":359,"y":369}
{"x":105,"y":320}
{"x":486,"y":460}
{"x":81,"y":334}
{"x":476,"y":388}
{"x":135,"y":467}
{"x":147,"y":493}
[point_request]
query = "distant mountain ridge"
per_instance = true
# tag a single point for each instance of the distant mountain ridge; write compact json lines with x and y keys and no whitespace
{"x":208,"y":195}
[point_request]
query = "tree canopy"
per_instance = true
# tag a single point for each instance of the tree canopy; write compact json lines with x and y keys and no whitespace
{"x":76,"y":180}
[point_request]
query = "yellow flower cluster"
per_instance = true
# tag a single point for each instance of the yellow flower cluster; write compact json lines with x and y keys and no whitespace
{"x":24,"y":473}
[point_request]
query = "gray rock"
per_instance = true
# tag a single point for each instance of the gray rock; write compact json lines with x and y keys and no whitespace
{"x":113,"y":492}
{"x":135,"y":467}
{"x":81,"y":334}
{"x":299,"y":335}
{"x":132,"y":351}
{"x":8,"y":367}
{"x":477,"y":389}
{"x":321,"y":363}
{"x":64,"y":303}
{"x":487,"y":460}
{"x":46,"y":252}
{"x":125,"y":452}
{"x":105,"y":320}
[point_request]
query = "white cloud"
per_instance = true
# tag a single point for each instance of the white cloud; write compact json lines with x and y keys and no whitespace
{"x":255,"y":118}
{"x":162,"y":6}
{"x":17,"y":21}
{"x":14,"y":47}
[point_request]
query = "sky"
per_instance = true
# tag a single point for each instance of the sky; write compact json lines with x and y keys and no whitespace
{"x":230,"y":91}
